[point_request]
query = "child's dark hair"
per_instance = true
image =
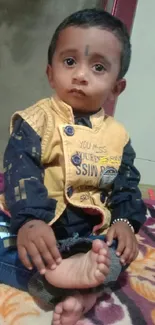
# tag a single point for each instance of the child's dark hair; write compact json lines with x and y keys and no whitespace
{"x":97,"y":18}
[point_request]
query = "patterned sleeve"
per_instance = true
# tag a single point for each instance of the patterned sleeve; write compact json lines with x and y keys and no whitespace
{"x":25,"y":194}
{"x":125,"y":200}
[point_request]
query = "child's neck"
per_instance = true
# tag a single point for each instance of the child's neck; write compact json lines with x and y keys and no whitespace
{"x":84,"y":114}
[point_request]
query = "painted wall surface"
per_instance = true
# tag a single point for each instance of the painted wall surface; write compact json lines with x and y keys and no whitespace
{"x":26,"y":28}
{"x":136,"y":106}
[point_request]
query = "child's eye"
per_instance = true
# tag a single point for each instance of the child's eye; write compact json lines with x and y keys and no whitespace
{"x":69,"y":62}
{"x":98,"y":67}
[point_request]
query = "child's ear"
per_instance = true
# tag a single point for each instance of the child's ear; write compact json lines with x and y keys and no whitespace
{"x":118,"y":89}
{"x":49,"y":73}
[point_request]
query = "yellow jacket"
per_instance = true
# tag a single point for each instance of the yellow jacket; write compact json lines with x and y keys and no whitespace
{"x":79,"y":161}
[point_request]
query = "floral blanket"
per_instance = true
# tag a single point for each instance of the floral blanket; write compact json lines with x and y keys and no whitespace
{"x":131,"y":301}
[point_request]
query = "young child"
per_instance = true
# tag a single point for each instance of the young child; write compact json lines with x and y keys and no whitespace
{"x":70,"y":183}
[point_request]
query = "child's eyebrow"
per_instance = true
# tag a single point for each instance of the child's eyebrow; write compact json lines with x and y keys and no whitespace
{"x":93,"y":55}
{"x":68,"y":51}
{"x":103,"y":58}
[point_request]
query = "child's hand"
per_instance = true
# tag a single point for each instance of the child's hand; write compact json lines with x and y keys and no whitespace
{"x":36,"y":239}
{"x":127,"y":247}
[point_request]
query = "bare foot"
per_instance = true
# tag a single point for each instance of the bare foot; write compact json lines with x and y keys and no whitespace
{"x":72,"y":309}
{"x":82,"y":270}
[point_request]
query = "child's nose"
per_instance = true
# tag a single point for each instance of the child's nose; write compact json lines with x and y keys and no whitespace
{"x":80,"y":76}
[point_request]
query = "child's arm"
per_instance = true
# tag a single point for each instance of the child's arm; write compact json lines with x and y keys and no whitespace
{"x":27,"y":198}
{"x":126,"y":203}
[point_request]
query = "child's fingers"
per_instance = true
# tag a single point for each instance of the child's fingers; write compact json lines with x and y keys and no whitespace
{"x":46,"y":254}
{"x":128,"y":253}
{"x":121,"y":245}
{"x":50,"y":242}
{"x":56,"y":254}
{"x":133,"y":254}
{"x":24,"y":257}
{"x":36,"y":258}
{"x":110,"y":236}
{"x":136,"y":251}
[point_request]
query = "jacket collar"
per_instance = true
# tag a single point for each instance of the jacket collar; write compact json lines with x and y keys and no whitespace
{"x":66,"y":113}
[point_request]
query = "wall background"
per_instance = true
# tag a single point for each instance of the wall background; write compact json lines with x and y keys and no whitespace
{"x":26,"y":28}
{"x":136,"y":106}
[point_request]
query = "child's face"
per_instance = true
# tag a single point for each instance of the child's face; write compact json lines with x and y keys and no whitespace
{"x":85,"y":68}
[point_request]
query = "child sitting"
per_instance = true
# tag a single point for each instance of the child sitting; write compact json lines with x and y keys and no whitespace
{"x":70,"y":182}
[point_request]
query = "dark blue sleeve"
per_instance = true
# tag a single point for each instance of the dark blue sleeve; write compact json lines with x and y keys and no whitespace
{"x":125,"y":200}
{"x":25,"y":193}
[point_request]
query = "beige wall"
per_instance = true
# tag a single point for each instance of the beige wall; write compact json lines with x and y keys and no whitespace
{"x":26,"y":28}
{"x":136,"y":107}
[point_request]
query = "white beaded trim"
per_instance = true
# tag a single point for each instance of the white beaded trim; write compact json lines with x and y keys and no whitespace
{"x":123,"y":220}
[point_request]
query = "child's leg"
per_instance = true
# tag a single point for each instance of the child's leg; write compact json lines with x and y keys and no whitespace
{"x":87,"y":270}
{"x":69,"y":311}
{"x":74,"y":307}
{"x":77,"y":270}
{"x":83,"y":270}
{"x":12,"y":271}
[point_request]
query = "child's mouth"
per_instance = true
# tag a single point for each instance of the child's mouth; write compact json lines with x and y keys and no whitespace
{"x":77,"y":92}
